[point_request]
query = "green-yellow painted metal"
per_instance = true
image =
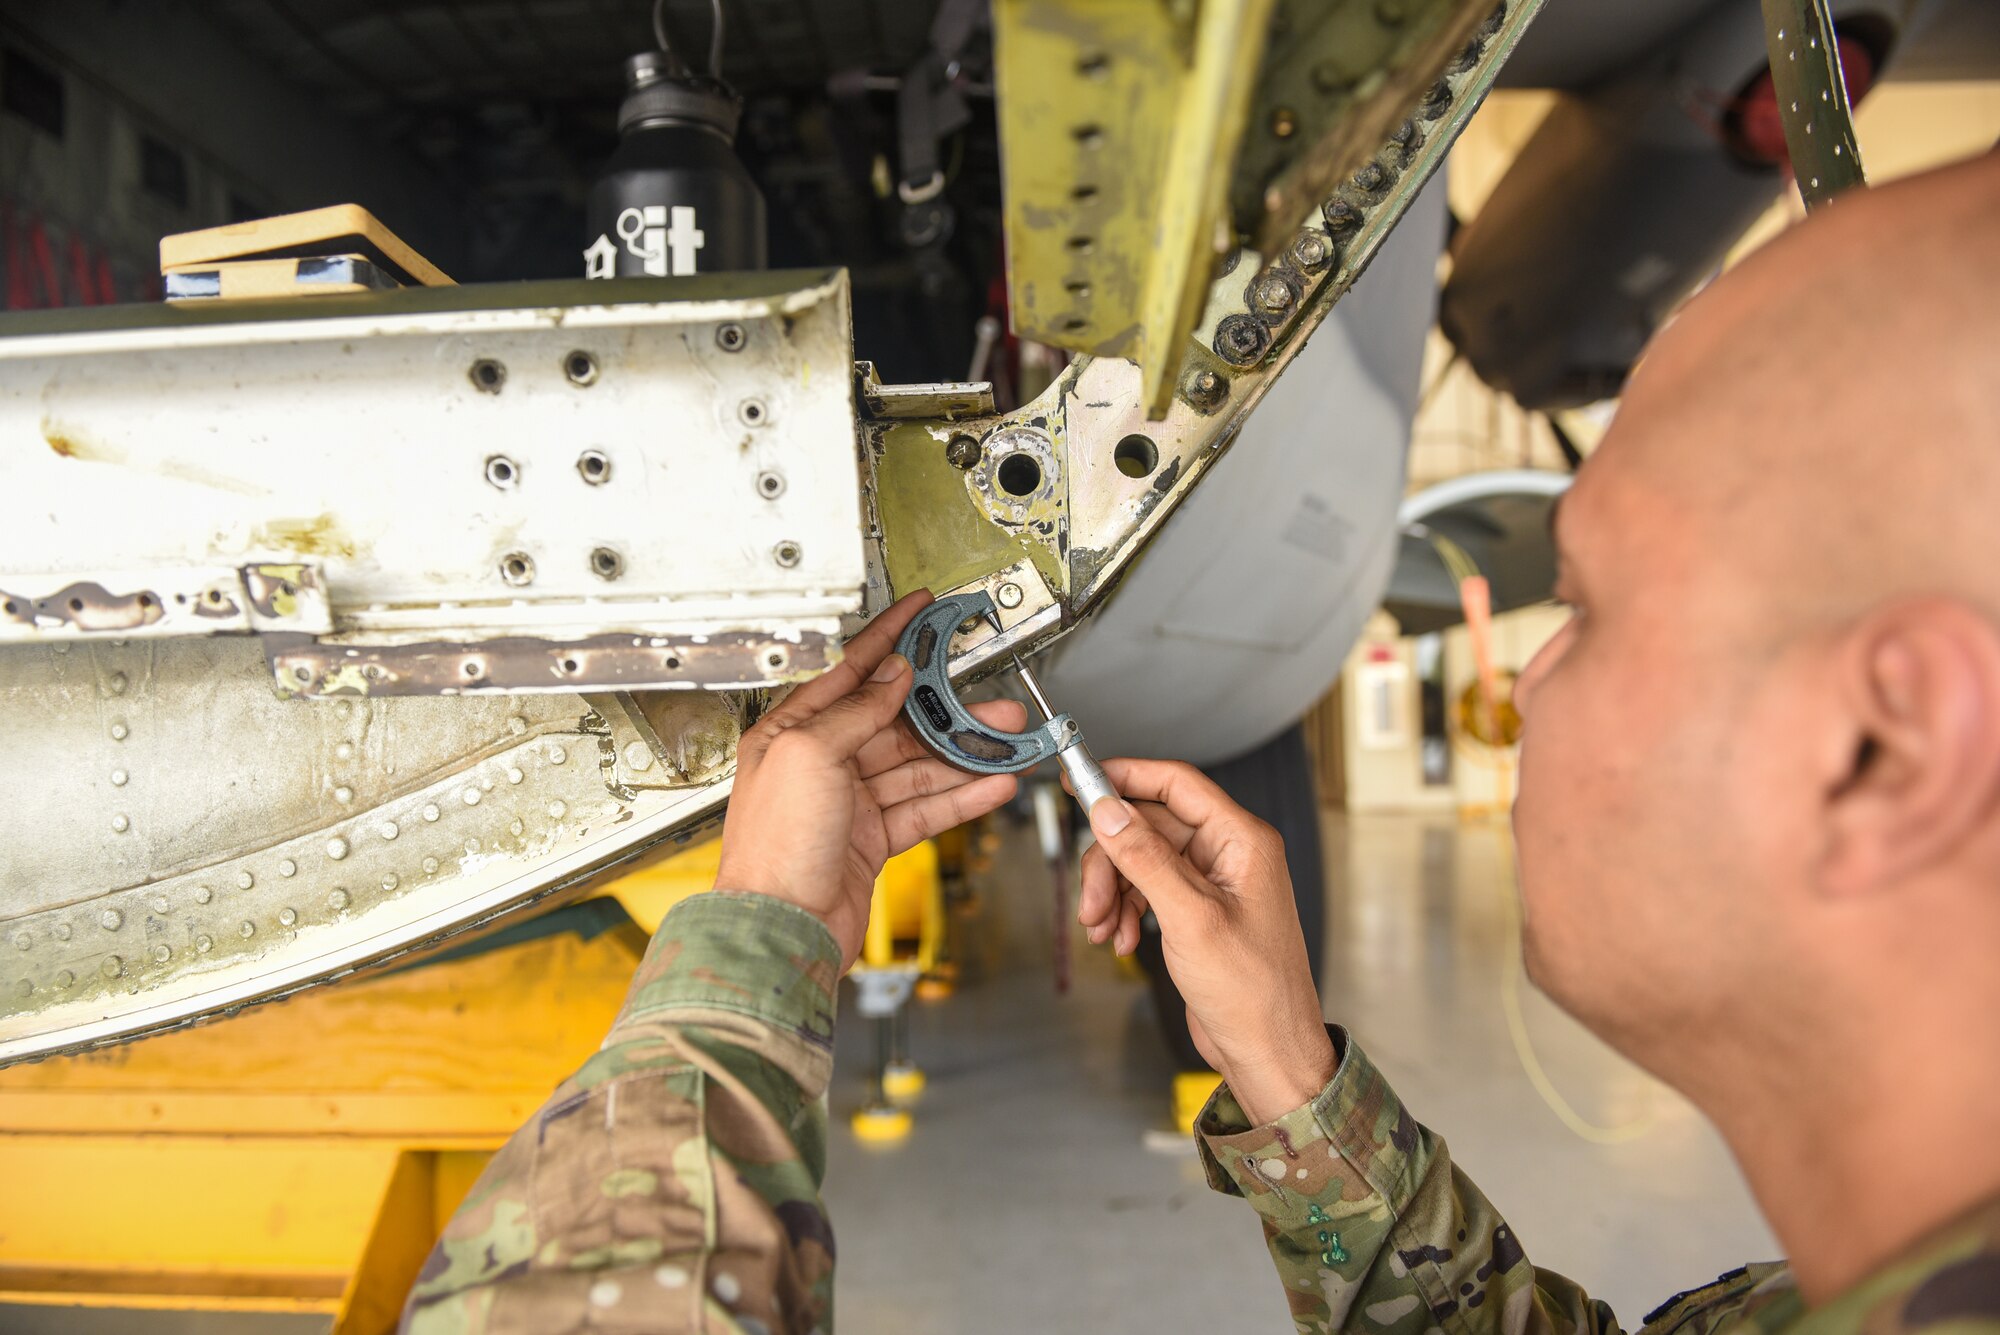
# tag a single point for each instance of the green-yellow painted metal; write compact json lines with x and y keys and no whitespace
{"x":1812,"y":98}
{"x":935,"y":535}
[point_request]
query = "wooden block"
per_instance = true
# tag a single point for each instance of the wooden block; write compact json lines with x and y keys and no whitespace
{"x":338,"y":229}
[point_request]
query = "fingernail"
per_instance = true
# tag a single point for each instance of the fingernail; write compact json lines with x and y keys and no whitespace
{"x":892,"y":668}
{"x":1110,"y":815}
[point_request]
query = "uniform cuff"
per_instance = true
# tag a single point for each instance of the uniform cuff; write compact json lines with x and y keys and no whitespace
{"x":1355,"y":1136}
{"x":745,"y":954}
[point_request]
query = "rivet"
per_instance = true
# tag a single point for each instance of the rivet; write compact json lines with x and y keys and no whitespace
{"x":557,"y":755}
{"x":787,"y":554}
{"x":1009,"y":595}
{"x":118,"y":778}
{"x":472,"y":845}
{"x":730,"y":338}
{"x":390,"y":881}
{"x":202,"y":894}
{"x":64,"y":978}
{"x":558,"y":809}
{"x":117,"y":682}
{"x":337,"y":900}
{"x":962,"y":452}
{"x":111,"y":920}
{"x":61,"y":932}
{"x":471,"y":796}
{"x":770,"y":484}
{"x":120,"y":823}
{"x":514,"y":774}
{"x":288,"y":868}
{"x":488,"y":375}
{"x":336,"y":848}
{"x":26,"y":989}
{"x":606,"y":563}
{"x":594,"y":467}
{"x":516,"y":826}
{"x":343,"y":795}
{"x":430,"y":811}
{"x":161,"y":953}
{"x":752,"y":412}
{"x":388,"y":829}
{"x":22,"y":941}
{"x":113,"y":966}
{"x":244,"y":880}
{"x":502,"y":472}
{"x":345,"y":751}
{"x":638,"y":756}
{"x":288,"y":916}
{"x":516,"y":724}
{"x":246,"y":929}
{"x":430,"y":866}
{"x":159,"y":903}
{"x":204,"y":943}
{"x":517,"y":569}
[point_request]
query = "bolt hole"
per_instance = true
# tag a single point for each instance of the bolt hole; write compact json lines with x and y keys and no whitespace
{"x":488,"y":375}
{"x":501,"y":472}
{"x":770,"y":485}
{"x":1019,"y":475}
{"x":12,"y":607}
{"x":570,"y":666}
{"x":594,"y":466}
{"x":213,"y":596}
{"x":731,"y":338}
{"x":76,"y":604}
{"x":580,"y":367}
{"x":517,"y":568}
{"x":752,"y":412}
{"x":1136,"y":456}
{"x":472,"y":669}
{"x":145,"y":600}
{"x":673,"y":664}
{"x":775,"y":660}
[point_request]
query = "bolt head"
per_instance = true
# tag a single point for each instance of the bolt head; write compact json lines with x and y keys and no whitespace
{"x":1009,"y":595}
{"x":963,"y":452}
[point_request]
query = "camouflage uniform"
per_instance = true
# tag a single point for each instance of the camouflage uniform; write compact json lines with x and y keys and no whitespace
{"x":1375,"y":1232}
{"x":672,"y":1185}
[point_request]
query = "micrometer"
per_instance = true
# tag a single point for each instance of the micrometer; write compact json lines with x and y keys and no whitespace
{"x":948,"y":728}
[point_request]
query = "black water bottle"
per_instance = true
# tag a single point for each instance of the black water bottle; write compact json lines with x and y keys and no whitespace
{"x":674,"y":199}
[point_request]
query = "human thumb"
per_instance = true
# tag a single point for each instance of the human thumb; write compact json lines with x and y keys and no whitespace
{"x":1147,"y":860}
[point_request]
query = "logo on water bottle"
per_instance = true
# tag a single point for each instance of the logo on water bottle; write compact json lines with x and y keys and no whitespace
{"x":648,"y":234}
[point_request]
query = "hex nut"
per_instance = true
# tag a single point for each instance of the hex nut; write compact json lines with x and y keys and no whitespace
{"x":606,"y":563}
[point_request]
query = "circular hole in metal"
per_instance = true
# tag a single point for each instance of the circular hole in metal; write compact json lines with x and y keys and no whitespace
{"x":606,"y":563}
{"x":501,"y":471}
{"x":731,"y":338}
{"x":145,"y":600}
{"x":673,"y":664}
{"x":12,"y":607}
{"x":580,"y":367}
{"x":1136,"y":456}
{"x":517,"y":568}
{"x":594,"y":467}
{"x":488,"y":375}
{"x":775,"y":660}
{"x":1019,"y":474}
{"x":752,"y":412}
{"x":570,"y":666}
{"x":76,"y":604}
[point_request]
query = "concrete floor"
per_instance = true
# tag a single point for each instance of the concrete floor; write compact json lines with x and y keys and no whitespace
{"x":1027,"y":1196}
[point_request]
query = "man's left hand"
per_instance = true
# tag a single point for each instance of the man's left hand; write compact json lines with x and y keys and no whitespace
{"x":832,"y":783}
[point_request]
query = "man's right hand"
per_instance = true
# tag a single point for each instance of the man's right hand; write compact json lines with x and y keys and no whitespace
{"x":1215,"y":878}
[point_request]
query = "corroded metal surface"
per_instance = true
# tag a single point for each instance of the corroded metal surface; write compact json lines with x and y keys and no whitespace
{"x":183,"y":840}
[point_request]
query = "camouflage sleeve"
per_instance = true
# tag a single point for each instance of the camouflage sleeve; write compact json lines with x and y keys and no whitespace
{"x":672,"y":1183}
{"x":1372,"y":1228}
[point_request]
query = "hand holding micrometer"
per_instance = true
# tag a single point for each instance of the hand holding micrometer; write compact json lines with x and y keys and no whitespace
{"x":945,"y":726}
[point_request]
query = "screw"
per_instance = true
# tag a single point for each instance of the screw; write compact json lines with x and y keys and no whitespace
{"x":1340,"y":216}
{"x":1437,"y":98}
{"x":1370,"y":177}
{"x":962,"y":452}
{"x":502,"y":472}
{"x":1009,"y":595}
{"x":594,"y":467}
{"x":517,"y":568}
{"x":731,"y":338}
{"x":488,"y":375}
{"x":606,"y":563}
{"x":1241,"y":340}
{"x":581,"y":368}
{"x":787,"y":554}
{"x":1311,"y":250}
{"x":770,"y":484}
{"x":1271,"y":295}
{"x":1205,"y":390}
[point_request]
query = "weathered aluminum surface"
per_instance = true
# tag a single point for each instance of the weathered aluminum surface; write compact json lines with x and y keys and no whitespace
{"x":182,"y":841}
{"x":1813,"y":106}
{"x":466,"y":468}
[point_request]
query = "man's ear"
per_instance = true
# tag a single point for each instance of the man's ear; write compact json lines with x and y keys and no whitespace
{"x":1920,"y":680}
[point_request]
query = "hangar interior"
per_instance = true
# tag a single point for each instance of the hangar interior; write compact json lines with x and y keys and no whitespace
{"x":1009,"y":1113}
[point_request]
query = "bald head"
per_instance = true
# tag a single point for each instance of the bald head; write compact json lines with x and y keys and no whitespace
{"x":1829,"y":411}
